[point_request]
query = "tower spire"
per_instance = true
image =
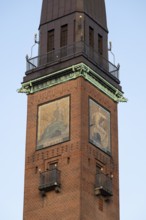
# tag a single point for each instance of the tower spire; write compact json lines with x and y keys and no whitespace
{"x":52,"y":10}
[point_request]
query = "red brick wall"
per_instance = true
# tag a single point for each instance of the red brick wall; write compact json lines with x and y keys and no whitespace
{"x":76,"y":201}
{"x":93,"y":207}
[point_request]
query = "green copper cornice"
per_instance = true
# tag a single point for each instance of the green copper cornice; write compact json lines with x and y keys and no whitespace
{"x":75,"y":71}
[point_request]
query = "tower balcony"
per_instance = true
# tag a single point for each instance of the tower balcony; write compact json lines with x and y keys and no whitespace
{"x":103,"y":185}
{"x":72,"y":51}
{"x":50,"y":180}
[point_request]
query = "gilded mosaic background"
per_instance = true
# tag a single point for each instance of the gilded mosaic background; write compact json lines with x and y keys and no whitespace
{"x":53,"y":123}
{"x":99,"y":129}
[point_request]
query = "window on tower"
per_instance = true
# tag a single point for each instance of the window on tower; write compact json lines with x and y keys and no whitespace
{"x":63,"y":37}
{"x":91,"y":37}
{"x":50,"y":43}
{"x":50,"y":46}
{"x":100,"y":44}
{"x":103,"y":182}
{"x":50,"y":179}
{"x":63,"y":40}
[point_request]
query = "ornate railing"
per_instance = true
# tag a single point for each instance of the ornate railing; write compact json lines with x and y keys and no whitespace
{"x":104,"y":184}
{"x":49,"y":180}
{"x":78,"y":48}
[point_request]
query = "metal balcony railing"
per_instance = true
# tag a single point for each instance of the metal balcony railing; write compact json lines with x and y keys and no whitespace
{"x":49,"y":180}
{"x":70,"y":51}
{"x":104,"y":184}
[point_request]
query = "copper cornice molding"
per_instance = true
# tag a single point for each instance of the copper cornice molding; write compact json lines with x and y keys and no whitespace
{"x":71,"y":73}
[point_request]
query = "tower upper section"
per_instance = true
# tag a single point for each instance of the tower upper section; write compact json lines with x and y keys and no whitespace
{"x":72,"y":32}
{"x":71,"y":22}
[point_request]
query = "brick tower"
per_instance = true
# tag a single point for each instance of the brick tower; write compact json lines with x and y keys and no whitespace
{"x":71,"y":167}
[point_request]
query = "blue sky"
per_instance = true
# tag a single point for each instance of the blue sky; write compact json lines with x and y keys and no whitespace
{"x":127,"y":31}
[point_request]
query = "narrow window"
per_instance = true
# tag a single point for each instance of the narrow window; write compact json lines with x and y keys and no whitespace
{"x":50,"y":43}
{"x":74,"y":34}
{"x":100,"y":44}
{"x":91,"y":37}
{"x":98,"y":169}
{"x":63,"y":37}
{"x":52,"y":166}
{"x":50,"y":46}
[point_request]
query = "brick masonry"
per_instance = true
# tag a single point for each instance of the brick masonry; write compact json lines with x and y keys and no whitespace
{"x":76,"y":159}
